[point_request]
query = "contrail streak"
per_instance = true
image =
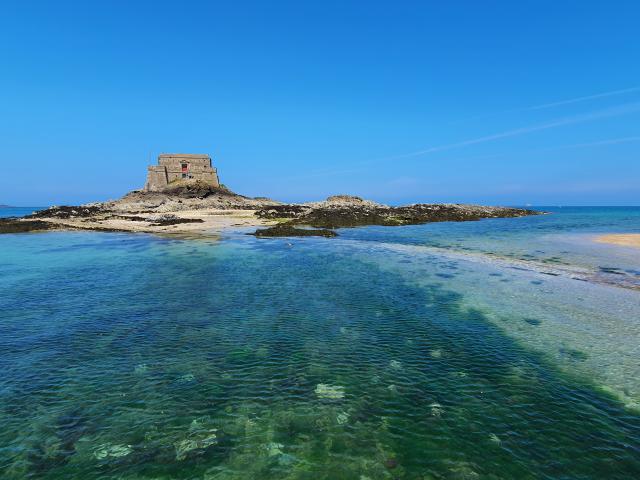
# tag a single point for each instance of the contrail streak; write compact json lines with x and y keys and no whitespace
{"x":609,"y":112}
{"x":582,"y":99}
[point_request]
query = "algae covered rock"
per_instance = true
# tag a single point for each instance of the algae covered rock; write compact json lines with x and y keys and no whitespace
{"x":333,"y":392}
{"x":19,"y":225}
{"x":110,"y":450}
{"x":199,"y":437}
{"x":284,"y":230}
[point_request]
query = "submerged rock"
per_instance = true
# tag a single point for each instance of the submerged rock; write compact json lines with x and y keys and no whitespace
{"x":342,"y":418}
{"x":333,"y":392}
{"x":436,"y":353}
{"x":187,"y":378}
{"x":198,"y":439}
{"x":463,"y":471}
{"x":436,"y":409}
{"x":141,"y":369}
{"x":273,"y":449}
{"x":109,"y":450}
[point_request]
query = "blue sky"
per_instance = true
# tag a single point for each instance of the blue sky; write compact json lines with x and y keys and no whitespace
{"x":494,"y":102}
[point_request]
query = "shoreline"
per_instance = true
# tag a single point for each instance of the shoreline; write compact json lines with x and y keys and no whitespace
{"x":620,"y":239}
{"x":198,"y":222}
{"x":199,"y":209}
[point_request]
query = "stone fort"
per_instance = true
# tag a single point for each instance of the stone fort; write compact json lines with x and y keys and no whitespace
{"x":180,"y":166}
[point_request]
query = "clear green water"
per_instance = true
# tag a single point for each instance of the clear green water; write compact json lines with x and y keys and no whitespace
{"x":370,"y":356}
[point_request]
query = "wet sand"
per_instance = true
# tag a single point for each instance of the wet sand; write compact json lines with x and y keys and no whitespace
{"x":623,"y":239}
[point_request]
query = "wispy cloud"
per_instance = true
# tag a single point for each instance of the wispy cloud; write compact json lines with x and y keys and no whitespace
{"x":585,"y":98}
{"x":612,"y":141}
{"x":560,"y":103}
{"x":595,"y":115}
{"x":598,"y":114}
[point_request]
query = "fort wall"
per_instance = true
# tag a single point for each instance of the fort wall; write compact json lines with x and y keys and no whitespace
{"x":174,"y":167}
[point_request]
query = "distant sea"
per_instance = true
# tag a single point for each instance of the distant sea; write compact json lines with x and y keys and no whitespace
{"x":18,"y":211}
{"x":498,"y":349}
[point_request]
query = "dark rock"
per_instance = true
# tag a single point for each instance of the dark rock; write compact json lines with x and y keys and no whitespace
{"x":169,"y":219}
{"x":19,"y":225}
{"x":286,"y":230}
{"x":69,"y":212}
{"x":391,"y":463}
{"x":345,"y":211}
{"x":283,"y":211}
{"x":196,"y":190}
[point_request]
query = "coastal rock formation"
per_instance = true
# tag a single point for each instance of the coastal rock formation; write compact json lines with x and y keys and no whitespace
{"x":186,"y":195}
{"x":348,"y":211}
{"x":196,"y":206}
{"x":18,"y":225}
{"x":285,"y":230}
{"x":187,"y":205}
{"x":183,"y":194}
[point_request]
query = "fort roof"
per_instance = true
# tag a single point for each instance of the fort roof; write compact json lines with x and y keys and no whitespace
{"x":183,"y":155}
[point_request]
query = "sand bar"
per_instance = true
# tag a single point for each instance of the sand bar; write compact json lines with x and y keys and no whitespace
{"x":624,"y":239}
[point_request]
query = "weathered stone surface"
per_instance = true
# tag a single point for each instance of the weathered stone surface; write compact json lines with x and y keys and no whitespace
{"x":82,"y":211}
{"x":191,"y":195}
{"x":180,"y":166}
{"x":346,"y":211}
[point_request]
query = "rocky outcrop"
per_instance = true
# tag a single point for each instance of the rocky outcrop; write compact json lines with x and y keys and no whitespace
{"x":191,"y":195}
{"x":140,"y":210}
{"x":285,"y":230}
{"x":196,"y":206}
{"x":64,"y":212}
{"x":347,"y":211}
{"x":19,"y":225}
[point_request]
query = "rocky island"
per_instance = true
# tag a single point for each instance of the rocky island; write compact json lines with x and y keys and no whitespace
{"x":195,"y":208}
{"x":183,"y":195}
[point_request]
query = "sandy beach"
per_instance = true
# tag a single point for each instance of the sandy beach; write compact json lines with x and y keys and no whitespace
{"x":623,"y":239}
{"x":207,"y":221}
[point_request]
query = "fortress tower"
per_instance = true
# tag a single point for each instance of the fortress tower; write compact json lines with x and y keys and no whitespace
{"x":180,"y":166}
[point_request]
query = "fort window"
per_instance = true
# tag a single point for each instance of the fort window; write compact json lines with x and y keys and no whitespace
{"x":184,"y":175}
{"x":185,"y":167}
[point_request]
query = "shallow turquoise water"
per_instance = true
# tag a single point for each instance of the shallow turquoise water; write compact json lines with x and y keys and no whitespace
{"x":371,"y":356}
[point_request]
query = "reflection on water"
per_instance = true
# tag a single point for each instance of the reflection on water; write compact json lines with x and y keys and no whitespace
{"x":138,"y":357}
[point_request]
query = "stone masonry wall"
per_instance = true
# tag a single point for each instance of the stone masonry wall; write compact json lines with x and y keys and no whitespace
{"x":169,"y":169}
